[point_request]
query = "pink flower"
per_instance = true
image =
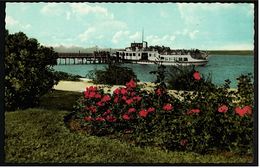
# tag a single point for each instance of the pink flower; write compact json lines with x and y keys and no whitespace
{"x":183,"y":142}
{"x":243,"y":111}
{"x":111,"y":119}
{"x":129,"y":101}
{"x":193,"y":111}
{"x":88,"y":118}
{"x":150,"y":109}
{"x":107,"y":112}
{"x":86,"y":94}
{"x":248,"y":109}
{"x":131,"y":84}
{"x":92,"y":88}
{"x":143,"y":113}
{"x":137,"y":98}
{"x":106,"y":98}
{"x":131,"y":110}
{"x":123,"y":91}
{"x":196,"y":75}
{"x":133,"y":94}
{"x":98,"y":96}
{"x":167,"y":107}
{"x":92,"y":94}
{"x":124,"y":98}
{"x":126,"y":117}
{"x":116,"y":100}
{"x":223,"y":109}
{"x":92,"y":109}
{"x":158,"y":92}
{"x":117,"y":91}
{"x":100,"y":119}
{"x":100,"y":103}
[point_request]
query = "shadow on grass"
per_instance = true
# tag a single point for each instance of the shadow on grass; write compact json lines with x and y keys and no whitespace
{"x":59,"y":100}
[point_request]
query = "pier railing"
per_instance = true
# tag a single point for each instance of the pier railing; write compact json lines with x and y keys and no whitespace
{"x":97,"y":57}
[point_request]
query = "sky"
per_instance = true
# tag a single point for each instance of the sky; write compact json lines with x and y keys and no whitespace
{"x":207,"y":26}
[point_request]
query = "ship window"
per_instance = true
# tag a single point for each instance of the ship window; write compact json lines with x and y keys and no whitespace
{"x":150,"y":55}
{"x":162,"y":58}
{"x":133,"y":54}
{"x":130,"y":54}
{"x":126,"y":54}
{"x":138,"y":54}
{"x":185,"y":59}
{"x":180,"y":59}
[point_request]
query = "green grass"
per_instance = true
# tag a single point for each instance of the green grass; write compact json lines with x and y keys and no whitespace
{"x":59,"y":100}
{"x":40,"y":136}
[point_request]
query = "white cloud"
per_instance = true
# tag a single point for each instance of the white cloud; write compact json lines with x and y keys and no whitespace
{"x":27,"y":26}
{"x":68,"y":14}
{"x":111,"y":25}
{"x":166,"y":40}
{"x":192,"y":34}
{"x":135,"y":37}
{"x":119,"y":36}
{"x":87,"y":34}
{"x":191,"y":13}
{"x":52,"y":9}
{"x":10,"y":21}
{"x":84,"y":9}
{"x":163,"y":14}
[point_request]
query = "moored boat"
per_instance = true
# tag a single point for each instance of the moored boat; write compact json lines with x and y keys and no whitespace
{"x":140,"y":53}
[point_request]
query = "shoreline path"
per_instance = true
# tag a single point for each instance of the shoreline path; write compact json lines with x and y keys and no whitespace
{"x":80,"y":86}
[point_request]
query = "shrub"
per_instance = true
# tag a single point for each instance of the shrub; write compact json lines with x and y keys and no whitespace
{"x":28,"y":70}
{"x":66,"y":76}
{"x":181,"y":78}
{"x":203,"y":120}
{"x":112,"y":75}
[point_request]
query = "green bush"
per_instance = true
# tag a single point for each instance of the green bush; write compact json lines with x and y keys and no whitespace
{"x":204,"y":120}
{"x":66,"y":76}
{"x":181,"y":78}
{"x":112,"y":75}
{"x":28,"y":70}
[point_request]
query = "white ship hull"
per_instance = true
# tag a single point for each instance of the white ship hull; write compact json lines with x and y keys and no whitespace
{"x":144,"y":56}
{"x":197,"y":63}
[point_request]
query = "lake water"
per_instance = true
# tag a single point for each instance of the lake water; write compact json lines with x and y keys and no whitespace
{"x":221,"y":67}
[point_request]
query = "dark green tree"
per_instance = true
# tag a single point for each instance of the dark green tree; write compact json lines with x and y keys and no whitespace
{"x":28,"y":70}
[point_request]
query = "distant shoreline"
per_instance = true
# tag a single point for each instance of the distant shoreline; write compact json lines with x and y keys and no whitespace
{"x":231,"y":52}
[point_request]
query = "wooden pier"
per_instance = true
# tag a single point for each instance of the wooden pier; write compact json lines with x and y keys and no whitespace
{"x":97,"y":57}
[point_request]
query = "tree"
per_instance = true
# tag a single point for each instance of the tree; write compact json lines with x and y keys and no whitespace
{"x":28,"y":70}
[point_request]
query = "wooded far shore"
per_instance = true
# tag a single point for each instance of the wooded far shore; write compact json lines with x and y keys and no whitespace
{"x":232,"y":52}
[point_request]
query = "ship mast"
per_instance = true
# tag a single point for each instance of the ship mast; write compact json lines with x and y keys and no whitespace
{"x":143,"y":35}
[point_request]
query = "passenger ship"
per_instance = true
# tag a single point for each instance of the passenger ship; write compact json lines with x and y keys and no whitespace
{"x":140,"y":54}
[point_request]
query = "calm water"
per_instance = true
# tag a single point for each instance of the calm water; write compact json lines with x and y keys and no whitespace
{"x":220,"y":67}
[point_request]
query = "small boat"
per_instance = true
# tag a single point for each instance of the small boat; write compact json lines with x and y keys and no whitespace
{"x":141,"y":54}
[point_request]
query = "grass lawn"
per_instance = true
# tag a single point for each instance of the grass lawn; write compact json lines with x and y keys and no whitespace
{"x":39,"y":135}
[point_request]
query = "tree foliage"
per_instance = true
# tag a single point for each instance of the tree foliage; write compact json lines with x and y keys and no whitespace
{"x":28,"y":70}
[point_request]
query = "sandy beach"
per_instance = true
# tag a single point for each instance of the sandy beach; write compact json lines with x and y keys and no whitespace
{"x":80,"y":86}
